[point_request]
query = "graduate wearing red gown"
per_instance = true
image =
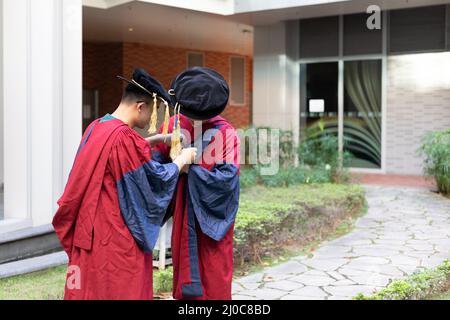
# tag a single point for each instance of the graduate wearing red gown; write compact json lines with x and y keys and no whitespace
{"x":206,"y":200}
{"x":111,"y":212}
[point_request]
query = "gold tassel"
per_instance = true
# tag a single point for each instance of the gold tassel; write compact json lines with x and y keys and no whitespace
{"x":166,"y":119}
{"x":175,"y":149}
{"x":154,"y":117}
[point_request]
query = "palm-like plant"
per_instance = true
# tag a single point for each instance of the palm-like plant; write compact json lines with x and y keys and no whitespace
{"x":436,"y":150}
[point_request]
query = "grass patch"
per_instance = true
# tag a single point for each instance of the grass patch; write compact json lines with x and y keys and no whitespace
{"x":49,"y":285}
{"x":43,"y":285}
{"x":427,"y":284}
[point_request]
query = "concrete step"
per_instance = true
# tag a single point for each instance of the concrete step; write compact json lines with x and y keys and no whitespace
{"x":33,"y":264}
{"x":28,"y":243}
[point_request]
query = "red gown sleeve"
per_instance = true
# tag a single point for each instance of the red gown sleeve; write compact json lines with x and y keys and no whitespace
{"x":145,"y":187}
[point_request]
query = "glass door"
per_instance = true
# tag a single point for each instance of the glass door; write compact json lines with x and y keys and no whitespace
{"x":360,"y":107}
{"x":363,"y":113}
{"x":319,"y":102}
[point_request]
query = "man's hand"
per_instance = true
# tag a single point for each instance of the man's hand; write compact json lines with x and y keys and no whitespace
{"x":186,"y":157}
{"x":166,"y":139}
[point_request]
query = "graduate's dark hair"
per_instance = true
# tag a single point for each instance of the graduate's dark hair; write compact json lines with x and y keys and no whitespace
{"x":134,"y":94}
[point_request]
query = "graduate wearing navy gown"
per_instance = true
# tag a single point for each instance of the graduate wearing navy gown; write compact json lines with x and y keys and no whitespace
{"x":207,"y":198}
{"x":115,"y":200}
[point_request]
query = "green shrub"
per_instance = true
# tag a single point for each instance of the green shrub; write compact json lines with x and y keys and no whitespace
{"x":163,"y":281}
{"x":436,"y":149}
{"x":295,"y":176}
{"x":315,"y":160}
{"x":268,"y":218}
{"x":248,"y":177}
{"x":417,"y":286}
{"x":320,"y":150}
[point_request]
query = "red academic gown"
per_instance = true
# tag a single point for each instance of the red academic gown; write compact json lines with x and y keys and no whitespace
{"x":110,"y":214}
{"x":204,"y":209}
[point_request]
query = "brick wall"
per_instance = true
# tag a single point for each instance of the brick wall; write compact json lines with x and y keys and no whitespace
{"x":418,"y":101}
{"x":102,"y":62}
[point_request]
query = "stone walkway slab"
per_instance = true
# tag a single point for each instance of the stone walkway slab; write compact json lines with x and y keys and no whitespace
{"x":405,"y":229}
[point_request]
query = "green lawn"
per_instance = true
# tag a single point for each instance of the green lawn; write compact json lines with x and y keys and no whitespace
{"x":259,"y":206}
{"x":49,"y":285}
{"x":42,"y":285}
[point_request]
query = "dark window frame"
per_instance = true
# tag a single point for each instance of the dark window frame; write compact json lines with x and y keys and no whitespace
{"x":198,"y":53}
{"x":244,"y":81}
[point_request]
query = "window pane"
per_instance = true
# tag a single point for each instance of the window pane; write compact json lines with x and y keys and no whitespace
{"x":237,"y":80}
{"x":358,"y":39}
{"x":362,"y":113}
{"x":418,"y":29}
{"x":319,"y":37}
{"x":319,"y":96}
{"x":195,"y":59}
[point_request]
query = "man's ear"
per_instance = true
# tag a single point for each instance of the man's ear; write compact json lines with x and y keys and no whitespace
{"x":139,"y":106}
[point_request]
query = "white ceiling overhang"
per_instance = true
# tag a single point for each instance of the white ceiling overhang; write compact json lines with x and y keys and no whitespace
{"x":222,"y":7}
{"x":216,"y":25}
{"x":155,"y":24}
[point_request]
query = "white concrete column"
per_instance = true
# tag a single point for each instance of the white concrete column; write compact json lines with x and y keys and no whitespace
{"x":276,"y":76}
{"x":72,"y":90}
{"x":293,"y":77}
{"x":56,"y":100}
{"x":42,"y":103}
{"x":16,"y":104}
{"x":1,"y":95}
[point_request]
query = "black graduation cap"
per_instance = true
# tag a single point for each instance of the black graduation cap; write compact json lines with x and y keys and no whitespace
{"x":201,"y":93}
{"x":142,"y":80}
{"x":147,"y":84}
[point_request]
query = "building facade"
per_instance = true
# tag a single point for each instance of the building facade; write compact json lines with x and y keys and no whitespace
{"x":377,"y":80}
{"x":378,"y":90}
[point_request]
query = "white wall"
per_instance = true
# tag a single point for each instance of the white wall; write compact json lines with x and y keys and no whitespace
{"x":42,"y":103}
{"x":276,"y":76}
{"x":418,"y":94}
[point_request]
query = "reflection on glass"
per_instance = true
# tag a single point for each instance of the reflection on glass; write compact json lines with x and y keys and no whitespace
{"x":319,"y":96}
{"x":362,"y":113}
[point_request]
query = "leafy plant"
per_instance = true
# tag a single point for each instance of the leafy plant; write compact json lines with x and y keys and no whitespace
{"x":248,"y":177}
{"x":319,"y":149}
{"x":418,"y":286}
{"x":163,"y":281}
{"x":436,"y":149}
{"x":315,"y":160}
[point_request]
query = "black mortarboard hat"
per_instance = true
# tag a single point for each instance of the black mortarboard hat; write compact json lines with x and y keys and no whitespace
{"x":147,"y":84}
{"x":202,"y":93}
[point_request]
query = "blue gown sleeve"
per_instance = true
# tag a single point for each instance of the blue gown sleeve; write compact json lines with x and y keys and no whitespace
{"x":144,"y":195}
{"x":214,"y":196}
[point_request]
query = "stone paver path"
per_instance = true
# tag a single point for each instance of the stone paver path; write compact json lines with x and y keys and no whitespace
{"x":405,"y":229}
